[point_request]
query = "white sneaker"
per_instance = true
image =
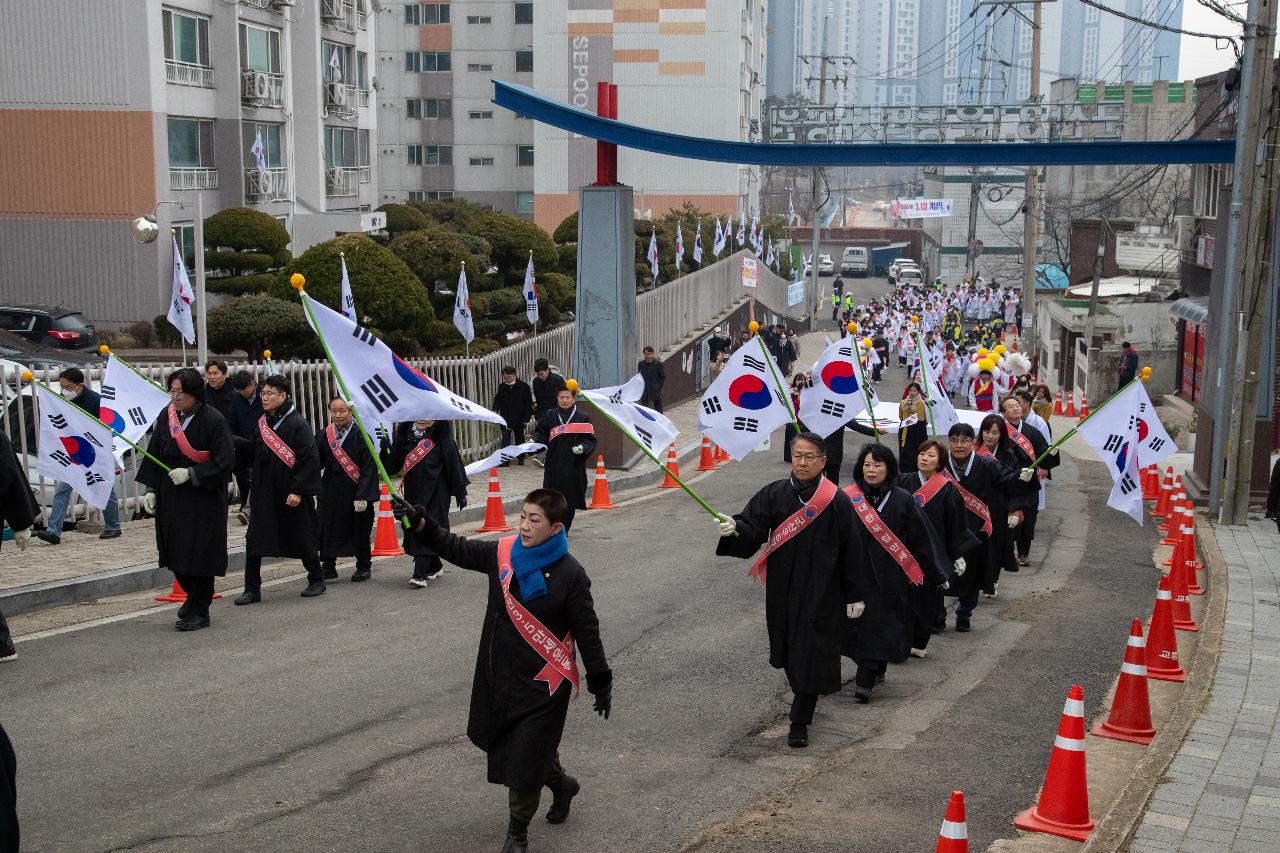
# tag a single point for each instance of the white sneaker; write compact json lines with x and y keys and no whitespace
{"x":418,"y":583}
{"x":919,"y":653}
{"x":437,"y":573}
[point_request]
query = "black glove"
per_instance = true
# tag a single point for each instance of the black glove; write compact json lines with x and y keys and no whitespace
{"x":462,"y":501}
{"x":400,"y":506}
{"x":604,"y":703}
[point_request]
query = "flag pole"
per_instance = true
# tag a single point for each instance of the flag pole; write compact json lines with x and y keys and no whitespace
{"x":777,"y":381}
{"x":928,"y":406}
{"x":852,"y":328}
{"x":1146,"y":374}
{"x":29,"y":377}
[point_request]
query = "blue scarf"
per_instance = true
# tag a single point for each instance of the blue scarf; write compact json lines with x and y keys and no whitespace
{"x":528,"y":564}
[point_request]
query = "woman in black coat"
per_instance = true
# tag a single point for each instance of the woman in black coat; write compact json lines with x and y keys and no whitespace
{"x":882,"y":631}
{"x":433,"y":473}
{"x":348,"y":493}
{"x":911,"y":435}
{"x":993,"y":443}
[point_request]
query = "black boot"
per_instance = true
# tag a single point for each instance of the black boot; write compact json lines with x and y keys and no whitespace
{"x":517,"y":840}
{"x":330,"y":572}
{"x":561,"y":798}
{"x":798,"y":736}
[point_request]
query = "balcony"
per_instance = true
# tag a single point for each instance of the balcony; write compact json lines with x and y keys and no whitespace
{"x":261,"y":88}
{"x":269,"y":5}
{"x":188,"y":74}
{"x":366,"y":174}
{"x":339,"y":14}
{"x":341,"y":99}
{"x":364,"y":97}
{"x":265,"y":186}
{"x":342,"y":183}
{"x":193,"y":179}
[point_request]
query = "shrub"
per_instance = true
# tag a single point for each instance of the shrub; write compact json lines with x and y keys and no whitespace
{"x":166,"y":332}
{"x":567,"y":230}
{"x":512,"y":239}
{"x":456,"y":212}
{"x":568,"y":261}
{"x":255,"y":323}
{"x":557,"y":289}
{"x":402,"y":218}
{"x":435,"y":255}
{"x":242,"y":247}
{"x":142,"y":333}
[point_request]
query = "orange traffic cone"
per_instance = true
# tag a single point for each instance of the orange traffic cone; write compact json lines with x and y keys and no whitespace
{"x":179,"y":595}
{"x":385,"y":541}
{"x":954,"y":835}
{"x":1150,"y":483}
{"x":672,"y":467}
{"x":1182,"y":618}
{"x":495,"y":520}
{"x":722,"y":456}
{"x":1189,"y":549}
{"x":1084,"y":406}
{"x":707,"y":460}
{"x":600,"y":491}
{"x":1162,"y":641}
{"x":1057,"y":403}
{"x":1063,"y":809}
{"x":1172,"y":524}
{"x":1166,"y":492}
{"x":1130,"y":717}
{"x":1071,"y":404}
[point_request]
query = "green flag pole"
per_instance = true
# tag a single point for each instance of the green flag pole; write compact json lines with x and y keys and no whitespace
{"x":777,"y":381}
{"x":117,"y":434}
{"x":1146,"y":372}
{"x":925,"y":383}
{"x":862,"y":374}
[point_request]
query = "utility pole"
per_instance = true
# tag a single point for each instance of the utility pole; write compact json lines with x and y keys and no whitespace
{"x":1031,"y":212}
{"x":1247,"y":283}
{"x":817,"y":226}
{"x":975,"y":186}
{"x":1091,"y":319}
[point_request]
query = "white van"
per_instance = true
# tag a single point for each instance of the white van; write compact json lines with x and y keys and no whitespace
{"x":854,"y":260}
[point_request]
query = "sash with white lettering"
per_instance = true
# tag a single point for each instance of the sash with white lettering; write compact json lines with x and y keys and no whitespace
{"x":1021,"y":440}
{"x":277,"y":445}
{"x":179,"y":436}
{"x":335,"y":447}
{"x":972,"y":502}
{"x":559,"y":654}
{"x":570,"y":429}
{"x":416,"y":455}
{"x":982,"y":451}
{"x":932,"y":486}
{"x":881,"y":533}
{"x":799,"y":520}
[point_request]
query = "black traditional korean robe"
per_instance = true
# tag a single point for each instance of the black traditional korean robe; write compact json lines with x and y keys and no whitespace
{"x":513,"y":717}
{"x":432,"y":481}
{"x":191,"y":519}
{"x":809,"y":580}
{"x":275,"y":529}
{"x":947,"y":515}
{"x":987,"y":479}
{"x":1022,"y":495}
{"x":565,"y":471}
{"x":341,"y":527}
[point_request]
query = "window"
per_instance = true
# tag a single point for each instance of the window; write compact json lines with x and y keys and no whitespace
{"x":480,"y":161}
{"x":426,"y":13}
{"x":524,"y":60}
{"x":259,"y":49}
{"x":524,"y":203}
{"x":362,"y":71}
{"x":429,"y":108}
{"x":186,"y":38}
{"x":429,"y":195}
{"x":480,"y":66}
{"x":338,"y":62}
{"x":340,"y":147}
{"x":427,"y":61}
{"x":362,"y":150}
{"x":524,"y":155}
{"x":482,"y":114}
{"x":274,"y":153}
{"x":186,"y":241}
{"x":413,"y":13}
{"x":414,"y":155}
{"x":439,"y":155}
{"x":413,"y":62}
{"x":1208,"y":182}
{"x":479,"y":19}
{"x":190,"y":143}
{"x":524,"y":13}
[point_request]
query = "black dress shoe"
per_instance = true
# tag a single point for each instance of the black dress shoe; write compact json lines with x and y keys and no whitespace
{"x":249,"y":596}
{"x":862,"y":695}
{"x":798,"y":736}
{"x":313,"y":589}
{"x":561,"y":800}
{"x":193,"y":622}
{"x":962,"y":625}
{"x":46,"y":536}
{"x":110,"y":534}
{"x":517,"y":840}
{"x":330,"y":573}
{"x":361,"y":575}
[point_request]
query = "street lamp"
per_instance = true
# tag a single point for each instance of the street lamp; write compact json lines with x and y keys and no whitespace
{"x":145,"y":229}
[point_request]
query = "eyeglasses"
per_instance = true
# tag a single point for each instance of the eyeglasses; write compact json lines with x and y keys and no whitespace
{"x":807,"y":457}
{"x":272,"y":392}
{"x":176,"y":392}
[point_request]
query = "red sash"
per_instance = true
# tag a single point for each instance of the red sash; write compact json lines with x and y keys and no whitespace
{"x":1021,"y":440}
{"x":881,"y":533}
{"x":972,"y":502}
{"x":932,"y":486}
{"x":559,"y":654}
{"x":982,"y":451}
{"x":270,"y":439}
{"x":180,"y":437}
{"x":570,"y":429}
{"x":798,"y":520}
{"x":416,"y":455}
{"x":335,"y":447}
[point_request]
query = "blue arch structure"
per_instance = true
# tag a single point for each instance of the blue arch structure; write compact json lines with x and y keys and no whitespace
{"x":527,"y":102}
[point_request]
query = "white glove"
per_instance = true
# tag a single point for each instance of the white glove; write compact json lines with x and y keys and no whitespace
{"x":149,"y":503}
{"x":727,"y":525}
{"x":578,"y":450}
{"x":960,"y":565}
{"x":1053,"y":452}
{"x":22,"y":538}
{"x":360,"y":506}
{"x":1013,"y":521}
{"x":180,"y":476}
{"x":854,"y":609}
{"x":946,"y":585}
{"x":1026,"y":474}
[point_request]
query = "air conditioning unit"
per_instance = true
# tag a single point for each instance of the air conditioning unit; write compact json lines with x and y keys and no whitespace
{"x":261,"y":86}
{"x":1184,"y":229}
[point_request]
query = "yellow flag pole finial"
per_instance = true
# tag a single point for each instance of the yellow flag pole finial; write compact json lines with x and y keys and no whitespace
{"x":104,"y":350}
{"x":298,"y":280}
{"x":572,"y":385}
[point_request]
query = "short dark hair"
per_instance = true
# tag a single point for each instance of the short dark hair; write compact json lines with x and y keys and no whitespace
{"x":72,"y":374}
{"x":648,"y":349}
{"x":933,"y":444}
{"x":189,"y":380}
{"x":242,"y":379}
{"x":541,"y":364}
{"x":508,"y":370}
{"x":880,"y":453}
{"x":997,"y":421}
{"x":962,"y":430}
{"x":988,"y":372}
{"x":552,"y":503}
{"x":813,"y":438}
{"x":218,"y":363}
{"x":1125,"y":344}
{"x":279,"y":383}
{"x":1025,"y":395}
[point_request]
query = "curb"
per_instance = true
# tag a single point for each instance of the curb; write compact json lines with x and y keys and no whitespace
{"x":1118,"y":825}
{"x":130,"y":579}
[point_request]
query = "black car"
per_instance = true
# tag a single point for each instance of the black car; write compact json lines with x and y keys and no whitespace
{"x":20,"y":351}
{"x":49,"y":325}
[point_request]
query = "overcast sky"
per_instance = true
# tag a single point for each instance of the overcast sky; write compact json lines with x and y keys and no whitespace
{"x":1201,"y":57}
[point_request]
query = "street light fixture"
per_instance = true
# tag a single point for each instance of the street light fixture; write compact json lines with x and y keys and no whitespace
{"x":145,"y":229}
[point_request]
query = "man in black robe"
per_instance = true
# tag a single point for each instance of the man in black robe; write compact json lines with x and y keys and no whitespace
{"x":286,"y":480}
{"x":546,"y":385}
{"x":570,"y":439}
{"x":808,"y":577}
{"x":519,"y":699}
{"x":433,"y":473}
{"x":190,"y":500}
{"x":246,"y":408}
{"x":1026,"y":496}
{"x":348,"y":493}
{"x":513,"y":402}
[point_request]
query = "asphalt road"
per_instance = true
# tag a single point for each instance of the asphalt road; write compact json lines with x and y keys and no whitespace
{"x":338,"y":723}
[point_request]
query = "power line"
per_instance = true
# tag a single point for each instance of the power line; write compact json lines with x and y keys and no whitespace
{"x":1144,"y":22}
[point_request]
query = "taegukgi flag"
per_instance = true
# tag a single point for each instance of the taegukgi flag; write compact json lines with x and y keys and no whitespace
{"x":348,"y":301}
{"x":462,"y":309}
{"x":743,"y":406}
{"x":74,"y":448}
{"x":835,"y":395}
{"x":181,"y":298}
{"x":530,"y":294}
{"x":679,"y":246}
{"x":1154,"y":443}
{"x":653,"y":253}
{"x":1112,"y":432}
{"x":717,"y":245}
{"x":697,"y":245}
{"x":650,"y":428}
{"x":130,"y":404}
{"x":942,"y":415}
{"x":507,"y":454}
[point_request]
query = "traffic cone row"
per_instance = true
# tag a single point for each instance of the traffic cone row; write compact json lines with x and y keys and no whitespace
{"x":495,"y":520}
{"x":1182,"y":618}
{"x":1084,"y":406}
{"x":600,"y":491}
{"x":1151,"y":482}
{"x":1071,"y":405}
{"x":722,"y":456}
{"x":1172,"y":524}
{"x":385,"y":541}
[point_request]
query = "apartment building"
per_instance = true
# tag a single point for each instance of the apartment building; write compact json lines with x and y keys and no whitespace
{"x":116,"y":108}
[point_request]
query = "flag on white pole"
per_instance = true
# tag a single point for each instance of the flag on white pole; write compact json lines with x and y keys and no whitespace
{"x":348,"y":301}
{"x":697,"y":245}
{"x":652,"y":429}
{"x":181,"y":298}
{"x":942,"y":415}
{"x":718,"y":245}
{"x":530,"y":294}
{"x":75,"y":449}
{"x":653,"y":253}
{"x":130,"y":404}
{"x":793,"y":218}
{"x":1154,"y":443}
{"x":335,"y":66}
{"x":769,"y":259}
{"x":741,"y":406}
{"x":679,"y":246}
{"x":741,"y":236}
{"x":499,"y":457}
{"x":756,"y":235}
{"x":380,"y":382}
{"x":831,"y":214}
{"x":1112,"y":432}
{"x":259,"y":152}
{"x":462,"y":309}
{"x":835,"y":395}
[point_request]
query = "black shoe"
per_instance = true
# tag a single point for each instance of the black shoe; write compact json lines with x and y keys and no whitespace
{"x":798,"y":736}
{"x":46,"y":536}
{"x":330,"y":573}
{"x":517,"y":840}
{"x":1014,"y":569}
{"x":110,"y":534}
{"x":861,"y":695}
{"x":962,"y":625}
{"x":880,"y":678}
{"x":194,"y":622}
{"x":313,"y":589}
{"x":184,"y":611}
{"x":562,"y":799}
{"x":249,"y":596}
{"x":361,"y":575}
{"x":8,"y":652}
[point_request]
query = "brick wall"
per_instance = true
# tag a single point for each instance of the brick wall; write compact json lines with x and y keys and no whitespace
{"x":1084,"y":248}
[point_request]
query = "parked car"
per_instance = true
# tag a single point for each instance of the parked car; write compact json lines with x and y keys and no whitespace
{"x":49,"y":325}
{"x":897,"y":264}
{"x":854,"y":261}
{"x":18,"y":354}
{"x":826,"y":266}
{"x":910,"y":277}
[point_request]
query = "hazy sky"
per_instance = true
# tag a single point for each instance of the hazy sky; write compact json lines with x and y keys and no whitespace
{"x":1200,"y":56}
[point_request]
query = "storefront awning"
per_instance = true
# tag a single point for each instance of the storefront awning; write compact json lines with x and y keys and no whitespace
{"x":1193,"y":309}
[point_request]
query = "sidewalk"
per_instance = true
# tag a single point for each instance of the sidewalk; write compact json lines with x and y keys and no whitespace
{"x":1222,"y":790}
